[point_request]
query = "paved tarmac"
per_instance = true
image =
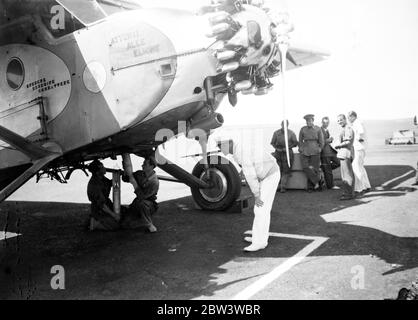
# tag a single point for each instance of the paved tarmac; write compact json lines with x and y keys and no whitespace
{"x":320,"y":248}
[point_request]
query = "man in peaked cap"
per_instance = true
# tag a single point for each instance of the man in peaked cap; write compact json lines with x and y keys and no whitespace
{"x":311,"y":143}
{"x":263,"y":175}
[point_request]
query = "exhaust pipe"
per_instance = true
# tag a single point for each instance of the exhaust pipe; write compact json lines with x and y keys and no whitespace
{"x":208,"y":123}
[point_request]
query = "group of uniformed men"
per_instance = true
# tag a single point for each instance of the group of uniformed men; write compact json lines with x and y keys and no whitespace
{"x":319,"y":158}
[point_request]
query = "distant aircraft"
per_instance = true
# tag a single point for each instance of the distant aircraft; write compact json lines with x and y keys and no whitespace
{"x":84,"y":80}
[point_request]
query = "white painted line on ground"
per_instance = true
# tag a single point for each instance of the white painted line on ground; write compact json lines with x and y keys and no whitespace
{"x":8,"y":235}
{"x":395,"y":179}
{"x":263,"y":282}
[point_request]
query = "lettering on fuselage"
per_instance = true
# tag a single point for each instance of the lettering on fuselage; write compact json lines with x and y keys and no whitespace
{"x":133,"y":42}
{"x":139,"y":52}
{"x":130,"y":36}
{"x":43,"y":85}
{"x":137,"y":47}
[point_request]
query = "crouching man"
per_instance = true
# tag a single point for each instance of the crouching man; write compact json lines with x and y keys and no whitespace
{"x":102,"y":216}
{"x":144,"y":206}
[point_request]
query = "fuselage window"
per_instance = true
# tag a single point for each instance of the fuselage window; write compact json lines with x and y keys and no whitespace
{"x":15,"y":74}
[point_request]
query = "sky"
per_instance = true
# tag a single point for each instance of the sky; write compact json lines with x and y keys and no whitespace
{"x":373,"y":67}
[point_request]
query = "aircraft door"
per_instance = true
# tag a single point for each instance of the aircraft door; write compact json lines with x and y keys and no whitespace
{"x":34,"y":91}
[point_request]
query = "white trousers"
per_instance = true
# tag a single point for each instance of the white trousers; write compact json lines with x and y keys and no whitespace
{"x":361,"y":178}
{"x":261,"y":224}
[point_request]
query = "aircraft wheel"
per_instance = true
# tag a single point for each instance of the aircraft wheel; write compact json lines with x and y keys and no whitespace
{"x":226,"y":185}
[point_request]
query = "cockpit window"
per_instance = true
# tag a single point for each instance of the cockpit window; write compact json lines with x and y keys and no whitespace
{"x":86,"y":11}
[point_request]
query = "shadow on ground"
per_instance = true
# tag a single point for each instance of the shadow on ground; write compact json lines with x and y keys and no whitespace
{"x":191,"y":247}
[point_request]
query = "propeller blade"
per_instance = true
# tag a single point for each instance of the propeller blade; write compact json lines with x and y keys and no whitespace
{"x":283,"y":48}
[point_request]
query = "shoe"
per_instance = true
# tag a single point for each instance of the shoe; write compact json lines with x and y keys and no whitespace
{"x":335,"y":188}
{"x":254,"y":248}
{"x":248,"y":239}
{"x":152,"y":229}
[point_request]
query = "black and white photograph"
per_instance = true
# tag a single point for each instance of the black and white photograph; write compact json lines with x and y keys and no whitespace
{"x":220,"y":152}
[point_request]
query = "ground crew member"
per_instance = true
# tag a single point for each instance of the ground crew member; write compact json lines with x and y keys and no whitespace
{"x":345,"y":154}
{"x":102,"y":216}
{"x":329,"y":159}
{"x":311,"y":143}
{"x":263,"y":175}
{"x":144,"y":206}
{"x":279,"y":144}
{"x":362,"y":183}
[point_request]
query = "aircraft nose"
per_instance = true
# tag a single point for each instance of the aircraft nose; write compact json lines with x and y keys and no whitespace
{"x":248,"y":32}
{"x":247,"y":49}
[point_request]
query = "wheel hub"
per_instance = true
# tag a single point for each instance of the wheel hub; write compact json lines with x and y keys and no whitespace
{"x":219,"y":185}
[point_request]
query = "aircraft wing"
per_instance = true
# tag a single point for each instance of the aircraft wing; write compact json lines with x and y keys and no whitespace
{"x":301,"y":55}
{"x":31,"y":150}
{"x":40,"y":157}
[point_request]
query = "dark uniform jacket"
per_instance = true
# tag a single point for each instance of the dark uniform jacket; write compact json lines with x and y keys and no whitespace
{"x":311,"y":141}
{"x":328,"y":150}
{"x":279,"y":143}
{"x":98,"y":191}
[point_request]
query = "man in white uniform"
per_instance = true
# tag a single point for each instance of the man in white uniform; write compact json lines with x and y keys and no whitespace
{"x":362,"y":183}
{"x":263,"y":176}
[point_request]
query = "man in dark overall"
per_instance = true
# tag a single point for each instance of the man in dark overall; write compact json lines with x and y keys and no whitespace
{"x":329,"y":157}
{"x":141,"y":210}
{"x":311,"y":143}
{"x":102,"y":216}
{"x":279,"y":144}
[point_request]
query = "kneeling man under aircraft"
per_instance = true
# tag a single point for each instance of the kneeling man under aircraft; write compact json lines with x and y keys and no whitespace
{"x":138,"y":214}
{"x":144,"y":206}
{"x":102,"y":216}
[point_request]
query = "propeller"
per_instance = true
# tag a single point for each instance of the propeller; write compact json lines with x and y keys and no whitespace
{"x":284,"y":27}
{"x":283,"y":48}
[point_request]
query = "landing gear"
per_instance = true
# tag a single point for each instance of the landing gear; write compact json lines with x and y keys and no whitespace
{"x":224,"y":181}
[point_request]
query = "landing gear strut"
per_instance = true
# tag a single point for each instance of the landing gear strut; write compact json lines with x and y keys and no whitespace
{"x":215,"y":182}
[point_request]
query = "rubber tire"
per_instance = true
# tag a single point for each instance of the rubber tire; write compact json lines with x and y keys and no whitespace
{"x":234,"y":185}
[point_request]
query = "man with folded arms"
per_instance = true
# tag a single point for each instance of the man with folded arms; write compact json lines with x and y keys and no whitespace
{"x":345,"y":154}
